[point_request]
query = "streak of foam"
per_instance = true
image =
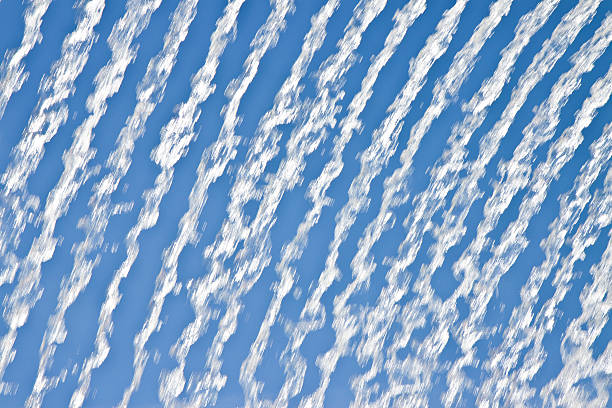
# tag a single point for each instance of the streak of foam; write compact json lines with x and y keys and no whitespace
{"x":214,"y":161}
{"x":413,"y":313}
{"x":49,"y":114}
{"x":513,"y":240}
{"x":372,"y":160}
{"x":284,"y":109}
{"x":254,"y":256}
{"x":519,"y":333}
{"x":444,"y":90}
{"x":418,"y":221}
{"x":12,"y":68}
{"x":527,"y":328}
{"x":576,"y":352}
{"x":600,"y":208}
{"x":26,"y":293}
{"x":151,"y":91}
{"x":107,"y":83}
{"x":317,"y":190}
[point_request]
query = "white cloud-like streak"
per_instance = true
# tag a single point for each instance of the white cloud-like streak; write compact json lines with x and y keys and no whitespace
{"x":413,"y":314}
{"x":519,"y":332}
{"x":384,"y":143}
{"x":513,"y":240}
{"x":264,"y":144}
{"x":50,"y":113}
{"x":26,"y":292}
{"x":576,"y":352}
{"x":107,"y":82}
{"x":600,"y":208}
{"x":418,"y":222}
{"x":151,"y":91}
{"x":178,"y":134}
{"x":444,"y":90}
{"x":317,"y":190}
{"x":254,"y":256}
{"x":12,"y":68}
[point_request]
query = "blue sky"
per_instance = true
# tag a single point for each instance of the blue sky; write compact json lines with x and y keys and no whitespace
{"x":321,"y":203}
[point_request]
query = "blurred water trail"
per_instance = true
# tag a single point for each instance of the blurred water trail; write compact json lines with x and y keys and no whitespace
{"x":254,"y":256}
{"x":173,"y":146}
{"x":172,"y":383}
{"x":12,"y":68}
{"x":444,"y":176}
{"x":308,"y":292}
{"x":51,"y":112}
{"x":26,"y":293}
{"x":317,"y":192}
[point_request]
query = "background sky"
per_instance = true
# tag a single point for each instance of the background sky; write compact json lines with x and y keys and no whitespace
{"x":305,"y":203}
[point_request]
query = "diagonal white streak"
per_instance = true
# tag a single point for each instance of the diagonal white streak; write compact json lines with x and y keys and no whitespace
{"x":530,"y":329}
{"x":317,"y":190}
{"x":372,"y":160}
{"x":445,"y":173}
{"x":413,"y":313}
{"x":251,"y":260}
{"x":513,"y":240}
{"x":183,"y":124}
{"x":26,"y":292}
{"x":212,"y":165}
{"x":444,"y":90}
{"x":512,"y":244}
{"x":263,"y":146}
{"x":452,"y":228}
{"x":576,"y":352}
{"x":50,"y":113}
{"x":600,"y":208}
{"x":107,"y":83}
{"x":283,"y":111}
{"x":515,"y":174}
{"x":151,"y":91}
{"x":519,"y":333}
{"x":395,"y":186}
{"x":443,"y":180}
{"x":410,"y":344}
{"x":12,"y":68}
